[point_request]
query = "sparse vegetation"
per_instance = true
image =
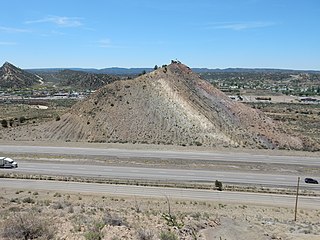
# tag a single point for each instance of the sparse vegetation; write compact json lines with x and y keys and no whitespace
{"x":95,"y":218}
{"x":300,"y":118}
{"x":145,"y":234}
{"x":28,"y":225}
{"x":11,"y":113}
{"x":170,"y":218}
{"x":11,"y":121}
{"x":218,"y":185}
{"x":113,"y":220}
{"x":28,"y":200}
{"x":94,"y":232}
{"x":143,"y":73}
{"x":57,"y":195}
{"x":22,"y":119}
{"x":284,"y":82}
{"x":4,"y":123}
{"x":167,"y":235}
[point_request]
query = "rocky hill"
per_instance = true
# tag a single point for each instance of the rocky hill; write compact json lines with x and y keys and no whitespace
{"x":170,"y":105}
{"x":78,"y":79}
{"x":85,"y":80}
{"x":14,"y":77}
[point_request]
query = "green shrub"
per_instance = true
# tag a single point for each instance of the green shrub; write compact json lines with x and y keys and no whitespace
{"x":11,"y":121}
{"x":144,"y":234}
{"x":57,"y":195}
{"x":197,"y":143}
{"x":93,"y":235}
{"x":22,"y":119}
{"x":4,"y":123}
{"x":28,"y":200}
{"x":28,"y":225}
{"x":218,"y":185}
{"x":58,"y":205}
{"x":166,"y":235}
{"x":113,"y":220}
{"x":172,"y":221}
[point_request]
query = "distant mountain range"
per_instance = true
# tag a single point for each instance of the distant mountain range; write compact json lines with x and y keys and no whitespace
{"x":14,"y":77}
{"x":78,"y":79}
{"x":111,"y":71}
{"x":90,"y":78}
{"x":137,"y":71}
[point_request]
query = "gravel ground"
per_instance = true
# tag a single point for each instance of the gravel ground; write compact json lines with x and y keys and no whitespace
{"x":76,"y":216}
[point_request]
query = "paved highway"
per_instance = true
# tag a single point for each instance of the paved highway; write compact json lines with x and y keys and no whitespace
{"x":114,"y":172}
{"x":122,"y":153}
{"x":163,"y":174}
{"x":202,"y":195}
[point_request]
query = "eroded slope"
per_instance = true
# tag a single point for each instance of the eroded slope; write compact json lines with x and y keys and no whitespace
{"x":171,"y":105}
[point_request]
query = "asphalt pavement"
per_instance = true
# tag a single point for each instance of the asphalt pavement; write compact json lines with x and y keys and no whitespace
{"x":159,"y":192}
{"x":161,"y":174}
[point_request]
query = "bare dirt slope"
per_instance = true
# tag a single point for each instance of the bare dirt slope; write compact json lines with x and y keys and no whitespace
{"x":13,"y":77}
{"x":170,"y":105}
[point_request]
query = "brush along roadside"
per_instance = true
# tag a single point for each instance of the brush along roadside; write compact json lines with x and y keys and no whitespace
{"x":157,"y":183}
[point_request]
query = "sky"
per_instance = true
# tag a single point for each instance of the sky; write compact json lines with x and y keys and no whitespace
{"x":281,"y":34}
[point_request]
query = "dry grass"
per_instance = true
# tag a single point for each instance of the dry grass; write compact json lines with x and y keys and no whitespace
{"x":79,"y":216}
{"x":299,"y":118}
{"x":27,"y":224}
{"x":25,"y":113}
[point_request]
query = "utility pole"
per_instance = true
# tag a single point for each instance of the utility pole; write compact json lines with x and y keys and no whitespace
{"x":296,"y":207}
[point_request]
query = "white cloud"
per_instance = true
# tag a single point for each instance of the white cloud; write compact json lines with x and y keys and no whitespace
{"x":238,"y":26}
{"x":60,"y":21}
{"x":13,"y":30}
